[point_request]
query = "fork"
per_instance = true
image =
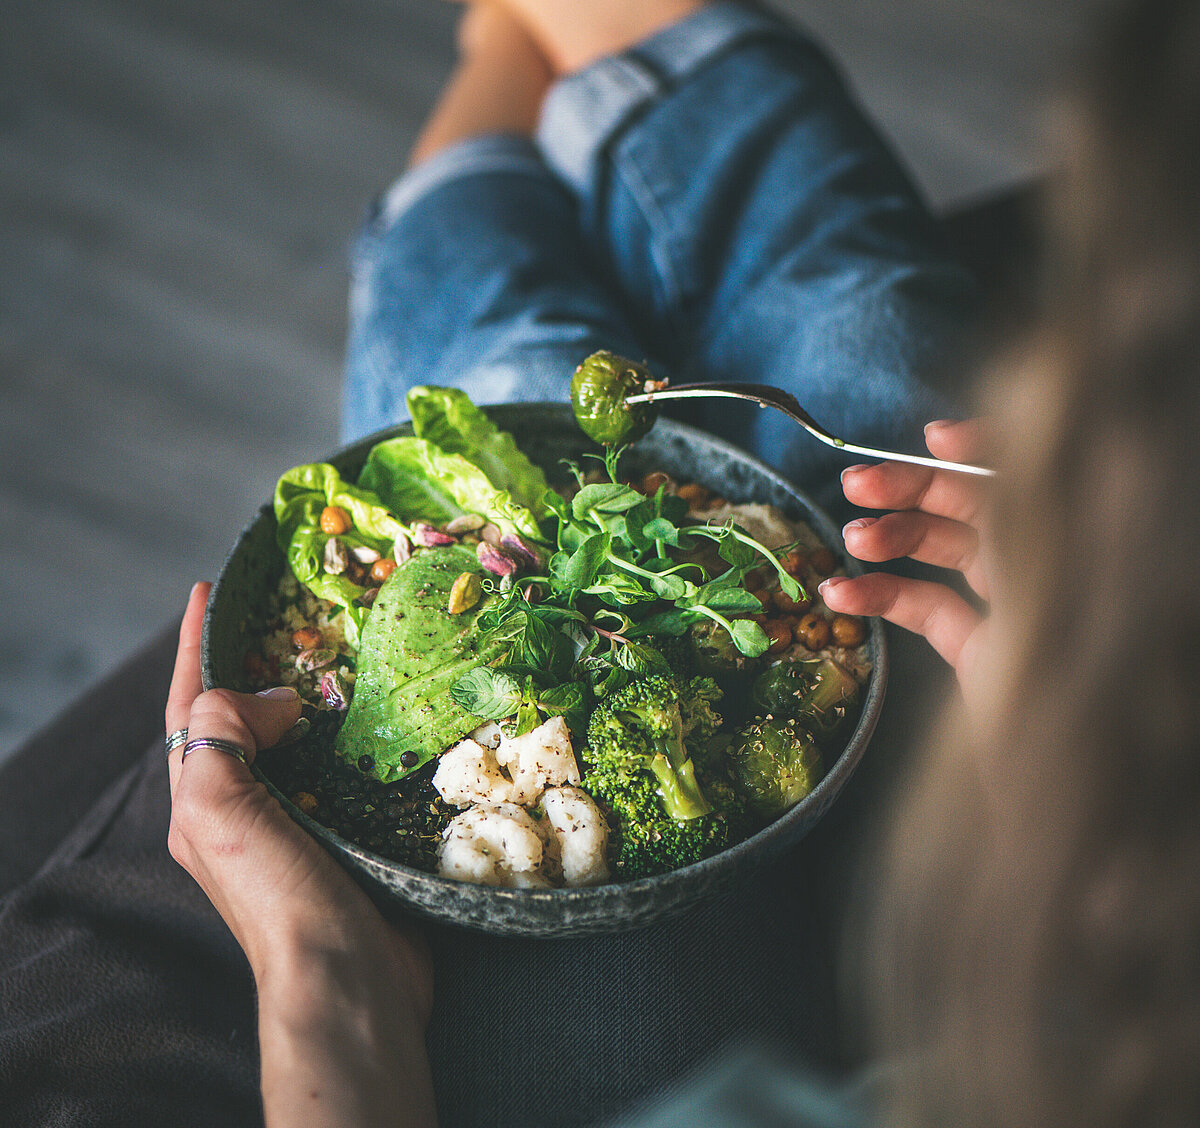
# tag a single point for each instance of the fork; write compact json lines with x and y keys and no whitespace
{"x":766,"y":396}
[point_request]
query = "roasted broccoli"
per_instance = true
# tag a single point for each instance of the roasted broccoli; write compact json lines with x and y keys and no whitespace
{"x":600,"y":389}
{"x":640,"y":729}
{"x":640,"y":770}
{"x":775,"y":763}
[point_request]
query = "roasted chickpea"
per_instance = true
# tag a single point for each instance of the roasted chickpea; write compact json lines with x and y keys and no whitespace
{"x":793,"y":563}
{"x":848,"y":630}
{"x":779,"y":634}
{"x":382,"y":568}
{"x":695,"y":495}
{"x":823,"y":561}
{"x":813,"y":631}
{"x":306,"y":638}
{"x":789,"y":606}
{"x":754,"y":581}
{"x":306,"y":801}
{"x":335,"y":520}
{"x":650,"y":484}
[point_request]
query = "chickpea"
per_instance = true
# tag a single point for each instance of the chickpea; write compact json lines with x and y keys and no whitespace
{"x":650,"y":484}
{"x":716,"y":501}
{"x":779,"y":634}
{"x":754,"y":581}
{"x":789,"y":606}
{"x":306,"y":638}
{"x":823,"y":562}
{"x":335,"y":520}
{"x":793,"y":563}
{"x":306,"y":801}
{"x":813,"y":631}
{"x":848,"y":630}
{"x":695,"y":495}
{"x":382,"y":568}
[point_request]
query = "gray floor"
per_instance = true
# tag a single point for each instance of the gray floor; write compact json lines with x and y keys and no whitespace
{"x":178,"y":183}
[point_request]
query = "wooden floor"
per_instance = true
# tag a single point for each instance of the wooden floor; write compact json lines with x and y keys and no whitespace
{"x":178,"y":184}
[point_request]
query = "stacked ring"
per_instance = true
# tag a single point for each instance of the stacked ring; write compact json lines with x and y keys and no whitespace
{"x":178,"y":737}
{"x":226,"y":746}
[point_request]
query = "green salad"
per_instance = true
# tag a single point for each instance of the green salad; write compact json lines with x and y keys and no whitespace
{"x":606,"y":680}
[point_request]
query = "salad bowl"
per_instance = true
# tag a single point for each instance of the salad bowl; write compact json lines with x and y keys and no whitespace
{"x":547,"y":434}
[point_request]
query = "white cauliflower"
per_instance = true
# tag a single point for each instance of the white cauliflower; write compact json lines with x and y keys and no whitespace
{"x":468,"y":773}
{"x":539,"y":759}
{"x":500,"y":845}
{"x":582,"y":835}
{"x":488,"y":734}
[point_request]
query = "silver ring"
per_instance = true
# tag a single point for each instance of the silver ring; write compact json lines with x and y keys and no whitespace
{"x":226,"y":746}
{"x":178,"y":737}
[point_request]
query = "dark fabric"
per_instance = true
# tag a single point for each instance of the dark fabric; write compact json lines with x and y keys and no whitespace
{"x":124,"y":1000}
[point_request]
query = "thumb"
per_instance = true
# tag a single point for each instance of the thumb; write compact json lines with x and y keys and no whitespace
{"x":252,"y":721}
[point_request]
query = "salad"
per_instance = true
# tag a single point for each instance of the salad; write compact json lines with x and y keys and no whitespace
{"x":522,"y":685}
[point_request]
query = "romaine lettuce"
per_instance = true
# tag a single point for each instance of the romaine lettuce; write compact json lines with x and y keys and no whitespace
{"x":448,"y":419}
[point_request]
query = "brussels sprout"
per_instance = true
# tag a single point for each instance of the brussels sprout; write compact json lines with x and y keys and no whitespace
{"x":714,"y":653}
{"x":775,"y":763}
{"x":599,"y":390}
{"x":817,"y":691}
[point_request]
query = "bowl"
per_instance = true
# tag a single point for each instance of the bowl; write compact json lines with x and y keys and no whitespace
{"x":547,"y":433}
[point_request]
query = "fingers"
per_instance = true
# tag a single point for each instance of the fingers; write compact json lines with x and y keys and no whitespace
{"x":956,"y":441}
{"x":185,"y":683}
{"x":931,"y":540}
{"x":931,"y":610}
{"x":251,"y":721}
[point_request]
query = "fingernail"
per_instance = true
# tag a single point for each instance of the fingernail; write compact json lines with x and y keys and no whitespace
{"x":278,"y":693}
{"x":858,"y":523}
{"x":937,"y":424}
{"x":831,"y":582}
{"x":854,"y":469}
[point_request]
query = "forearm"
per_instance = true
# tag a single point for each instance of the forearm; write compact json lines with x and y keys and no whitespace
{"x":342,"y":1042}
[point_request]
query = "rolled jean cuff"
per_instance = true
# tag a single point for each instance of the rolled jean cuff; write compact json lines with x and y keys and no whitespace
{"x":498,"y":152}
{"x":585,"y":110}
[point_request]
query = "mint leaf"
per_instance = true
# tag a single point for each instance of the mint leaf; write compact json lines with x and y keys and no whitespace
{"x":487,"y":693}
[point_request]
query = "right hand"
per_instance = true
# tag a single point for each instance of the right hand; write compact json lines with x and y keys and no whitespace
{"x":936,"y":519}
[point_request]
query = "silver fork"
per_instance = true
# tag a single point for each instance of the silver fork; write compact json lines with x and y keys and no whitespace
{"x":766,"y":396}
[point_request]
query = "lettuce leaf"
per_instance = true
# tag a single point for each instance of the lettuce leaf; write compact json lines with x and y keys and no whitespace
{"x":300,"y":496}
{"x":421,"y":482}
{"x":448,"y":419}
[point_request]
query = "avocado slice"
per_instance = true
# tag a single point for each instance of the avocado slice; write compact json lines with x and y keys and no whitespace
{"x":412,"y":651}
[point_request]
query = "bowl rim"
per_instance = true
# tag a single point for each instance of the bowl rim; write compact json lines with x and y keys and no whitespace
{"x":762,"y":842}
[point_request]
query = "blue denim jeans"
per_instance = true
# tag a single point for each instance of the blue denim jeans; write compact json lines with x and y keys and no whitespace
{"x":711,"y":201}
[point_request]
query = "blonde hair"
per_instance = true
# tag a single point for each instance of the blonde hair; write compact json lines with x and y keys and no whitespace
{"x":1039,"y":940}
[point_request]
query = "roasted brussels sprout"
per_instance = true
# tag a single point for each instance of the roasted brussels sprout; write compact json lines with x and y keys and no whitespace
{"x":775,"y":763}
{"x":818,"y":692}
{"x":714,"y":653}
{"x":599,"y":390}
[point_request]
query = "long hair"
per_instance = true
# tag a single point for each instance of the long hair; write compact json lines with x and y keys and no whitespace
{"x":1038,"y":947}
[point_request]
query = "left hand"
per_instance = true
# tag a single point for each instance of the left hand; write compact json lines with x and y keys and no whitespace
{"x":271,"y":882}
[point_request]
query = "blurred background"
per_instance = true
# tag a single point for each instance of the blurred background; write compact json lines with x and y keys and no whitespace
{"x":179,"y":183}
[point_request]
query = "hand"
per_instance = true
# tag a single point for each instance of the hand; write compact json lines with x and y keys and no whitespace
{"x":936,"y":521}
{"x":344,"y":997}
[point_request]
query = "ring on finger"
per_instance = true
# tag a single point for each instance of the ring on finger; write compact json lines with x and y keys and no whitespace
{"x":226,"y":746}
{"x":178,"y":737}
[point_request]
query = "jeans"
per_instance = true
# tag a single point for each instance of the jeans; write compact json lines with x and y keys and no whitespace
{"x":711,"y":201}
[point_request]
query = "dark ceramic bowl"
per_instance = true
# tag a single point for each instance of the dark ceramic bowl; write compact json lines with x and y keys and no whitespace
{"x":547,"y":433}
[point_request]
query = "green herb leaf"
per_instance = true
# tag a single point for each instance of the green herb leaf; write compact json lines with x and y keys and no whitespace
{"x":730,"y":599}
{"x":487,"y":693}
{"x":604,"y":497}
{"x":660,"y":529}
{"x":580,"y":569}
{"x":568,"y":701}
{"x":748,"y":637}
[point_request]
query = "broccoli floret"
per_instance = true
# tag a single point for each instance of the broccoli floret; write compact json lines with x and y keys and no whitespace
{"x":665,"y":810}
{"x":640,"y":729}
{"x":677,"y":652}
{"x":647,"y":841}
{"x":696,"y":700}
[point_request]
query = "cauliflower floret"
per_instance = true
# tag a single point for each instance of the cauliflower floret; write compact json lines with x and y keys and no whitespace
{"x":539,"y":759}
{"x":488,"y":734}
{"x":498,"y":845}
{"x":582,"y":835}
{"x":468,"y":773}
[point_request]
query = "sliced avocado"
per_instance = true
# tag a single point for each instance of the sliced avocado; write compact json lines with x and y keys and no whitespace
{"x":413,"y":650}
